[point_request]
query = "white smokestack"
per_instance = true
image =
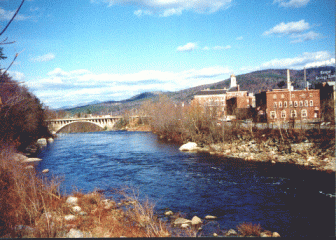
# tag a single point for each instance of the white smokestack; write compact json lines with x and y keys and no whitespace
{"x":288,"y":80}
{"x":233,"y":81}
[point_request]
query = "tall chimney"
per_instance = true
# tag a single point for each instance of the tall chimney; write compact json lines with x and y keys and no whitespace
{"x":233,"y":81}
{"x":288,"y":80}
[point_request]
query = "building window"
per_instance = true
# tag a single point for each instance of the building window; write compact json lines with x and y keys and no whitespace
{"x":283,"y":114}
{"x":301,"y":103}
{"x":295,"y":104}
{"x":306,"y":103}
{"x":293,"y":95}
{"x":282,"y":96}
{"x":280,"y":104}
{"x":315,"y":115}
{"x":273,"y":114}
{"x":285,"y":104}
{"x":311,"y":103}
{"x":304,"y":113}
{"x":274,"y":96}
{"x":303,"y":95}
{"x":293,"y":113}
{"x":310,"y":95}
{"x":275,"y":105}
{"x":290,"y":103}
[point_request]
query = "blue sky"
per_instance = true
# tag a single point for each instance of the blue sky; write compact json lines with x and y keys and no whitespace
{"x":78,"y":51}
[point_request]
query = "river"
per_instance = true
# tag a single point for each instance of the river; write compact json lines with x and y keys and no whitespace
{"x":281,"y":198}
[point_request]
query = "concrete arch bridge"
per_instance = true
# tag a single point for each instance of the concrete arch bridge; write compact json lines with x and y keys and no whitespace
{"x":55,"y":125}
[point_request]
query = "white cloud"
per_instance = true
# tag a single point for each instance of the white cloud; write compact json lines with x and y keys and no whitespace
{"x":187,"y":48}
{"x":7,"y":15}
{"x":44,"y":58}
{"x":307,"y":59}
{"x":141,"y":13}
{"x":62,"y":88}
{"x":18,"y":76}
{"x":222,"y":47}
{"x":292,"y":3}
{"x":206,"y":48}
{"x":165,"y":8}
{"x":239,"y":38}
{"x":305,"y":37}
{"x":288,"y":28}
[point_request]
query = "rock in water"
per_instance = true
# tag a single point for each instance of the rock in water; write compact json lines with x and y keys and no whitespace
{"x":169,"y":213}
{"x":190,"y":146}
{"x":42,"y":142}
{"x":180,"y":221}
{"x":30,"y":160}
{"x":196,"y":220}
{"x":45,"y":170}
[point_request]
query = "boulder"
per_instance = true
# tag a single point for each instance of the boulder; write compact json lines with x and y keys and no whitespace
{"x":50,"y":140}
{"x":72,"y":200}
{"x":73,"y":233}
{"x":31,"y":160}
{"x":82,"y":213}
{"x":190,"y":146}
{"x":185,"y":225}
{"x":196,"y":220}
{"x":209,"y":217}
{"x":231,"y":232}
{"x":180,"y":221}
{"x":169,"y":213}
{"x":76,"y":209}
{"x":275,"y":234}
{"x":45,"y":170}
{"x":19,"y":157}
{"x":42,"y":142}
{"x":69,"y":217}
{"x":266,"y":234}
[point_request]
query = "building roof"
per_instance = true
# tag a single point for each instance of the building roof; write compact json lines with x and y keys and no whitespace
{"x":211,"y":92}
{"x":234,"y":89}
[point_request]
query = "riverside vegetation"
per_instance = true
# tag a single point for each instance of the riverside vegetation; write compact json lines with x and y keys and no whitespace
{"x":311,"y":148}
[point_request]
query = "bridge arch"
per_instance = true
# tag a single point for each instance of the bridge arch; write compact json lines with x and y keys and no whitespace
{"x":72,"y":122}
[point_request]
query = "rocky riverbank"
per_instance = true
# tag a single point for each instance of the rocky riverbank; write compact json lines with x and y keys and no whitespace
{"x":307,"y":154}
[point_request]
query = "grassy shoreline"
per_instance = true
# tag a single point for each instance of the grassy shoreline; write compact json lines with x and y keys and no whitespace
{"x":32,"y":206}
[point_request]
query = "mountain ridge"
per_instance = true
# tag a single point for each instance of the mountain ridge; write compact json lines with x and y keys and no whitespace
{"x":261,"y":80}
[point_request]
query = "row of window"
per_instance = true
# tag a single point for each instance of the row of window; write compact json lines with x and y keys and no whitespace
{"x":303,"y":95}
{"x":311,"y":104}
{"x":293,"y":114}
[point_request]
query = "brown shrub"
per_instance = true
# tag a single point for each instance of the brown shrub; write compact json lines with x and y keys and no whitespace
{"x":249,"y":229}
{"x":24,"y":196}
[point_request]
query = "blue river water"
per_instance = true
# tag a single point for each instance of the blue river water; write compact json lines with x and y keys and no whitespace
{"x":282,"y":198}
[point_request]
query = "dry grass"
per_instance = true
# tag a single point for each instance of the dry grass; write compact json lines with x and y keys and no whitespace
{"x":28,"y":201}
{"x":25,"y":198}
{"x":249,"y":229}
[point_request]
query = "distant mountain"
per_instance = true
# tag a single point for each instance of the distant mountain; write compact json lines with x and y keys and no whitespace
{"x":252,"y":82}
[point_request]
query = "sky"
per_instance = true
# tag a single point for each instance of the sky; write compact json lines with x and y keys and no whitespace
{"x":79,"y":51}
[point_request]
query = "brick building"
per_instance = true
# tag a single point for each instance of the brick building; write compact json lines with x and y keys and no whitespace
{"x":285,"y":105}
{"x":230,"y":101}
{"x":288,"y":104}
{"x":212,"y":98}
